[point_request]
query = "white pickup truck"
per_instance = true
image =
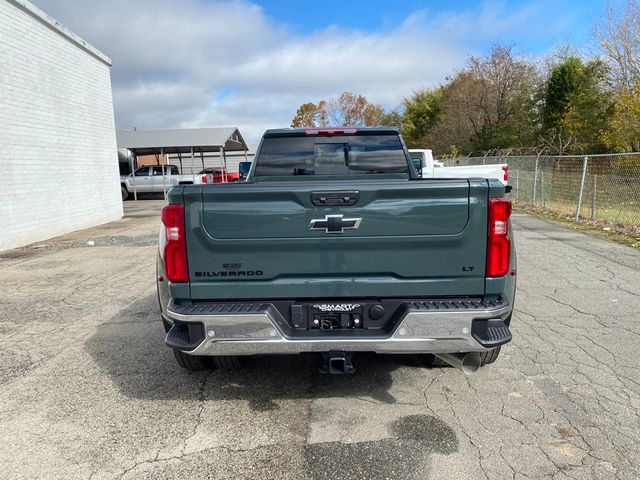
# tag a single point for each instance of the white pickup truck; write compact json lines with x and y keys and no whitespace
{"x":429,"y":168}
{"x":150,"y":180}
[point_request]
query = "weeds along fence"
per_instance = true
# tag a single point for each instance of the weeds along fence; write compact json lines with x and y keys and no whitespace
{"x":598,"y":188}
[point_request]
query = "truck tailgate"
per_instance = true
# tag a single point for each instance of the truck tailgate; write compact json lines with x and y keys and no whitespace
{"x":413,"y":238}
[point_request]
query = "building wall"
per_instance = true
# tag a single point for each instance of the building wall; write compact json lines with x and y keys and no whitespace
{"x":58,"y":155}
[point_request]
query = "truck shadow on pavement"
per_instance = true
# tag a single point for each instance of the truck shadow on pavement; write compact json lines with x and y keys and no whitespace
{"x":130,"y":349}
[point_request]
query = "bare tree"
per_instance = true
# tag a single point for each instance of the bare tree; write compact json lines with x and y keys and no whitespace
{"x":557,"y":141}
{"x":347,"y":109}
{"x":619,"y":37}
{"x":352,"y":109}
{"x":507,"y":83}
{"x":488,"y":105}
{"x":311,"y":115}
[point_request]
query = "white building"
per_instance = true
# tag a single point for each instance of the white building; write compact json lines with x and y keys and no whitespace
{"x":58,"y":154}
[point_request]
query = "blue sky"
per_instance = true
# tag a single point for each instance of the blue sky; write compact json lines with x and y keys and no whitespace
{"x":381,"y":15}
{"x":251,"y":63}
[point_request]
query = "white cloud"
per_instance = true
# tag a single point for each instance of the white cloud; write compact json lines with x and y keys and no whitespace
{"x":196,"y":63}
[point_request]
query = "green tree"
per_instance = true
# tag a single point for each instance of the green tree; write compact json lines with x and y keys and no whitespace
{"x":623,"y":134}
{"x":563,"y":83}
{"x":421,"y":113}
{"x":391,"y":119}
{"x":576,"y":106}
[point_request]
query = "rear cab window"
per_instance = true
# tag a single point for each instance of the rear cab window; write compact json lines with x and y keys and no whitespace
{"x":341,"y":155}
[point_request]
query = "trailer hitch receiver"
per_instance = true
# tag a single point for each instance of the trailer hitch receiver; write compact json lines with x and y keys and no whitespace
{"x":337,"y":363}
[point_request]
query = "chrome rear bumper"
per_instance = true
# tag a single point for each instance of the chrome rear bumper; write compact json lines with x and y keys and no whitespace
{"x":256,"y":332}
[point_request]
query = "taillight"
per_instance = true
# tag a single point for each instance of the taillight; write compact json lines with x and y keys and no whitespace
{"x":204,"y":179}
{"x":505,"y":170}
{"x":498,"y":243}
{"x":173,"y":245}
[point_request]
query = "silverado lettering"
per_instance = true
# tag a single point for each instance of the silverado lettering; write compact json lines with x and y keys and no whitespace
{"x":363,"y":255}
{"x":231,"y":273}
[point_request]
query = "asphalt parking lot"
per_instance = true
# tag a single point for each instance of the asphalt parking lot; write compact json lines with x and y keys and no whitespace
{"x":88,"y":389}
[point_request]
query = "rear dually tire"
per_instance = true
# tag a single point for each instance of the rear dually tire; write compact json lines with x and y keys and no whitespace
{"x":228,"y":362}
{"x":193,"y":363}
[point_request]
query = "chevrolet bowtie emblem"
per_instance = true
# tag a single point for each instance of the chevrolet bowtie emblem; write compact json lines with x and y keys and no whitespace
{"x":334,"y":223}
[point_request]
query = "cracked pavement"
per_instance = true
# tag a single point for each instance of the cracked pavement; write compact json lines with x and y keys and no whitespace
{"x":88,"y":389}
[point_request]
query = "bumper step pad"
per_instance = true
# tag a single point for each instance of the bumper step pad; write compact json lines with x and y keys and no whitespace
{"x":185,"y":336}
{"x":491,"y":333}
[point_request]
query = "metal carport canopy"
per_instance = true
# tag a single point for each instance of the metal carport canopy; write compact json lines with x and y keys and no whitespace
{"x":182,"y":140}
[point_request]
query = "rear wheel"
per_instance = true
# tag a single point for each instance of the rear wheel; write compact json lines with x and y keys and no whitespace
{"x":193,"y":363}
{"x":228,"y":362}
{"x":125,"y":192}
{"x":490,"y":356}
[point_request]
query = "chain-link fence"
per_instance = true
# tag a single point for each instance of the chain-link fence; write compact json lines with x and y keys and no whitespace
{"x":600,"y":188}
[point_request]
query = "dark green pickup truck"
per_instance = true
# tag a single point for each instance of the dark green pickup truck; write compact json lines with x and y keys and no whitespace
{"x":335,"y":245}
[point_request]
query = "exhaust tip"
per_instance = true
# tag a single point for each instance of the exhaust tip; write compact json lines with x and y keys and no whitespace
{"x":471,"y":363}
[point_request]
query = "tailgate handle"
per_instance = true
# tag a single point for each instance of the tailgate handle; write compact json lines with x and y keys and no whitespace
{"x":335,"y":199}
